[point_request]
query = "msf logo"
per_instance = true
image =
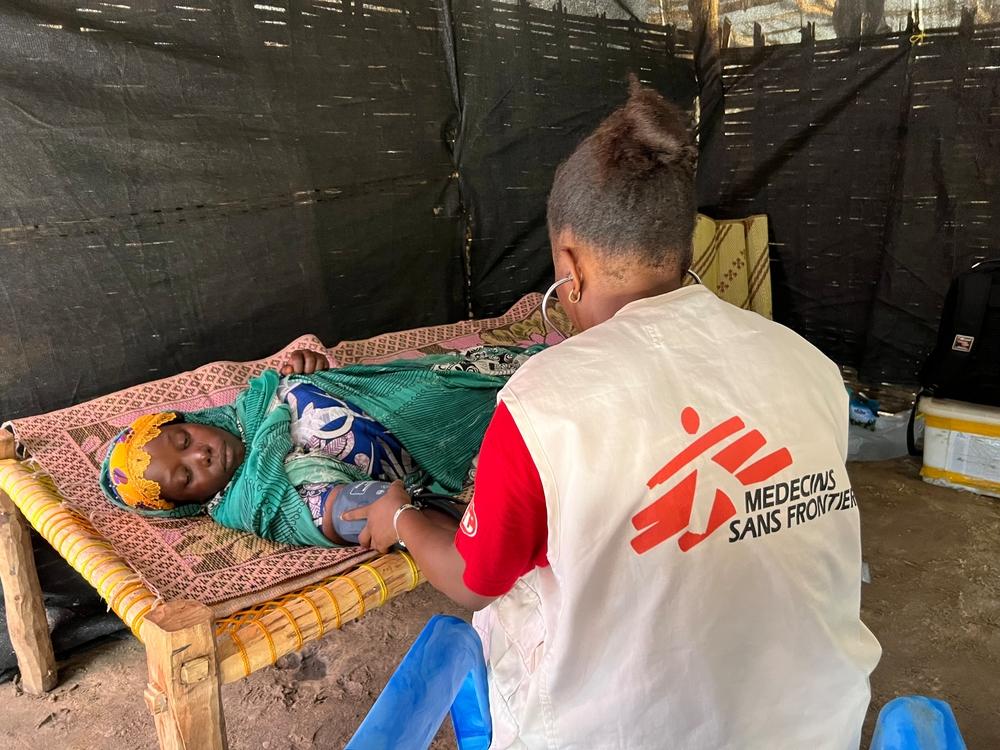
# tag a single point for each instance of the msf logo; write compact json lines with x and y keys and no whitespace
{"x":470,"y":524}
{"x":671,"y":513}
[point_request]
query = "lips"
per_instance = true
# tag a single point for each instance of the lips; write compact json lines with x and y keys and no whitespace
{"x":226,"y":456}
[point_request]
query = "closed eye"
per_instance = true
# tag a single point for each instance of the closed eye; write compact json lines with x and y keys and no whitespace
{"x":187,"y":477}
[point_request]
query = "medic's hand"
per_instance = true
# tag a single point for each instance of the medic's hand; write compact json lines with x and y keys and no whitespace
{"x":304,"y":362}
{"x":379,"y":533}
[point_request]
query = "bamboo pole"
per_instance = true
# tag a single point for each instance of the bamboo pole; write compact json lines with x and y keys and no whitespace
{"x":183,"y":692}
{"x":247,"y":643}
{"x":26,"y":622}
{"x":711,"y":95}
{"x":726,"y":33}
{"x":78,"y":543}
{"x":705,"y":18}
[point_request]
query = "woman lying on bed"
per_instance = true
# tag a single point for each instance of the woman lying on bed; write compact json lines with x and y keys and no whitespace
{"x":297,"y":449}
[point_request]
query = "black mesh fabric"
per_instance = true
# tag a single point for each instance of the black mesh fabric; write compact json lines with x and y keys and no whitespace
{"x":875,"y":161}
{"x":182,"y":184}
{"x":532,"y":85}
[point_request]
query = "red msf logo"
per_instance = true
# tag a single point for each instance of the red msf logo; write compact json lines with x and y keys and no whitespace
{"x":671,"y":513}
{"x":470,"y":525}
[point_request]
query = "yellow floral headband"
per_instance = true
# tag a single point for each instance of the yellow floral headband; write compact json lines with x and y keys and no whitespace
{"x":127,"y":463}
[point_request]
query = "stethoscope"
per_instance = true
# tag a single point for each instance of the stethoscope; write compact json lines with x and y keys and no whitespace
{"x":559,"y":282}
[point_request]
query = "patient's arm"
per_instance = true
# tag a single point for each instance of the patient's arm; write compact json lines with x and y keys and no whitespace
{"x":330,"y":526}
{"x":429,"y":538}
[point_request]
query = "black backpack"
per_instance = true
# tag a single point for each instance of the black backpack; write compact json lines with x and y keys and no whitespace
{"x":965,"y":363}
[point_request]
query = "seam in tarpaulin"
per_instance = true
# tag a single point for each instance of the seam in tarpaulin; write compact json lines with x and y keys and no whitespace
{"x":454,"y":139}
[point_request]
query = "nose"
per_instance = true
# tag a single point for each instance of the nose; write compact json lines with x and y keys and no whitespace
{"x":203,"y":454}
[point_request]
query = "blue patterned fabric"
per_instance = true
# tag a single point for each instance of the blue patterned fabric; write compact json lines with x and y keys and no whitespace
{"x":334,"y":426}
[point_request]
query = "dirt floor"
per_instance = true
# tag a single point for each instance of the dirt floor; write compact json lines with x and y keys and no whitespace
{"x":934,"y":603}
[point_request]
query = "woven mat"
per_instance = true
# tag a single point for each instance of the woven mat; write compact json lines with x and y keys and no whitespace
{"x":732,"y":258}
{"x":197,"y":558}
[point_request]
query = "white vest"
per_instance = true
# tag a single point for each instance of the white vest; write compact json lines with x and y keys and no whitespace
{"x":642,"y":634}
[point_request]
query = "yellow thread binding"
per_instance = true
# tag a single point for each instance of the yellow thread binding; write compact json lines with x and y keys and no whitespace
{"x":70,"y":553}
{"x":31,"y":503}
{"x":319,"y":617}
{"x":90,"y":560}
{"x":100,"y":584}
{"x":16,"y":487}
{"x":357,"y":590}
{"x":53,"y":517}
{"x":145,"y":596}
{"x":76,"y":561}
{"x":64,"y":525}
{"x":34,"y":495}
{"x":291,"y":621}
{"x":37,"y":518}
{"x":243,"y":652}
{"x":414,"y":571}
{"x":137,"y":623}
{"x":334,"y":602}
{"x":127,"y":589}
{"x":96,"y":563}
{"x":267,"y":637}
{"x":383,"y":589}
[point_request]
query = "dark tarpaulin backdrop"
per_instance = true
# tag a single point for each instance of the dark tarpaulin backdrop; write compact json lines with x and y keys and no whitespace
{"x":877,"y":164}
{"x":181,"y":183}
{"x":532,"y":85}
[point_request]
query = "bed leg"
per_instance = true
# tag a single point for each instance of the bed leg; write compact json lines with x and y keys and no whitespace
{"x":184,"y":689}
{"x":26,"y":623}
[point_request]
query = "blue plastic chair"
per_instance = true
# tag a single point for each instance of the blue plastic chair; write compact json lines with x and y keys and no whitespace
{"x":914,"y":722}
{"x":443,"y":670}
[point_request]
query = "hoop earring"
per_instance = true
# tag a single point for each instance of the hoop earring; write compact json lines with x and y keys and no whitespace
{"x":545,"y":304}
{"x":696,"y":277}
{"x":574,"y":296}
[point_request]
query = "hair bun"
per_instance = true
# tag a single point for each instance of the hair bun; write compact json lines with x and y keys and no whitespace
{"x":648,"y":133}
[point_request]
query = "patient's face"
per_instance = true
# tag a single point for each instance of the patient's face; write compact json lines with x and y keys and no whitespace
{"x":193,"y":462}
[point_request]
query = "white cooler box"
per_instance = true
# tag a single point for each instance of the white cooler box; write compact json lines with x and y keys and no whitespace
{"x":961,"y":445}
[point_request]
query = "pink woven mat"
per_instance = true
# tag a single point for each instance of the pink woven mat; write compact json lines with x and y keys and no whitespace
{"x":197,"y":558}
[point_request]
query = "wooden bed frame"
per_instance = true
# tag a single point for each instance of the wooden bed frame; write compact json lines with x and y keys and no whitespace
{"x":189,"y":654}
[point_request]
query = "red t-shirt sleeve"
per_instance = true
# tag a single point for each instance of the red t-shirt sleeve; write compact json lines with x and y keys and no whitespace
{"x":505,"y":530}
